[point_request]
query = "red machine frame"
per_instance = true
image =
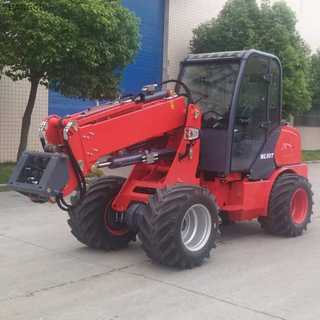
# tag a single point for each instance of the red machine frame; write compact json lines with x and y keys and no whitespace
{"x":241,"y":198}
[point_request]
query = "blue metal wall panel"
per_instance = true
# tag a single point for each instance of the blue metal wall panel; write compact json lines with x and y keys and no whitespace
{"x":148,"y":67}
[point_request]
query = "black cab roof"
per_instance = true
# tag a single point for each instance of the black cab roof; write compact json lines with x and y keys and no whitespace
{"x":232,"y":55}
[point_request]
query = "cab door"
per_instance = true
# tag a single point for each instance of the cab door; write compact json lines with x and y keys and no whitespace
{"x":251,"y":123}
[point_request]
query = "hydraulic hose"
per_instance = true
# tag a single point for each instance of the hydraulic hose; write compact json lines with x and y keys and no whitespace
{"x":80,"y":178}
{"x":184,"y":87}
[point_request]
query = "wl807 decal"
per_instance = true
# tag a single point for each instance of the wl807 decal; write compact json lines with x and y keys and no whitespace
{"x":264,"y":156}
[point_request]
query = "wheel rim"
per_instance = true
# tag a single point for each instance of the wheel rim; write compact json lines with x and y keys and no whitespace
{"x":196,"y":227}
{"x":109,"y":221}
{"x":299,"y":206}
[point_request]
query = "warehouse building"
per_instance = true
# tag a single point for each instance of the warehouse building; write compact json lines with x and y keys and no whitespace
{"x":166,"y":28}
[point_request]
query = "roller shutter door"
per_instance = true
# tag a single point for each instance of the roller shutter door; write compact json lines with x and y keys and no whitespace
{"x":148,"y":67}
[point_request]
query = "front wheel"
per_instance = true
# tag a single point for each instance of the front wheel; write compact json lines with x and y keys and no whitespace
{"x":94,"y":223}
{"x":179,"y":225}
{"x":290,"y":206}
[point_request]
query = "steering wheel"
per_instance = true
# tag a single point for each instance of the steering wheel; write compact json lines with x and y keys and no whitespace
{"x":211,"y":111}
{"x":214,"y":121}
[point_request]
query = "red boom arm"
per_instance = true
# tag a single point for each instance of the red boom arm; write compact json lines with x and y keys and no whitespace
{"x":106,"y":129}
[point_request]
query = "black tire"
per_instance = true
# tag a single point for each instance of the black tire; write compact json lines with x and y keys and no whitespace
{"x":280,"y":219}
{"x":88,"y":222}
{"x":162,"y":222}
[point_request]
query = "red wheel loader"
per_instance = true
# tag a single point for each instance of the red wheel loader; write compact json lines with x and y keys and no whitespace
{"x":215,"y":148}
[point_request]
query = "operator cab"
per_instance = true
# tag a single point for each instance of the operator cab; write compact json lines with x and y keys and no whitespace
{"x":239,"y":94}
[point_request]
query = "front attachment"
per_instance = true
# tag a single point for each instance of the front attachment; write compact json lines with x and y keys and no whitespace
{"x":39,"y":175}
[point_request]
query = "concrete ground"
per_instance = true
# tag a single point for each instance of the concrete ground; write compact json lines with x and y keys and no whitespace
{"x":46,"y":274}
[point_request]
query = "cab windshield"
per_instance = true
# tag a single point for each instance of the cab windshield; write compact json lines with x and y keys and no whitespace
{"x":211,"y":86}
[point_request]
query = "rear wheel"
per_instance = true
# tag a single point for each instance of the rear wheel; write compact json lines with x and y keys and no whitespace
{"x":94,"y":223}
{"x":290,"y":206}
{"x":179,"y":225}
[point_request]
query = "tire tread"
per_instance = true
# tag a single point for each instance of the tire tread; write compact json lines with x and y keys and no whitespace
{"x":278,"y":219}
{"x":156,"y":225}
{"x":86,"y":221}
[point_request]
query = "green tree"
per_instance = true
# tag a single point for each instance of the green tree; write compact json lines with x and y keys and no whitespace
{"x":243,"y":25}
{"x":78,"y":47}
{"x":315,"y":80}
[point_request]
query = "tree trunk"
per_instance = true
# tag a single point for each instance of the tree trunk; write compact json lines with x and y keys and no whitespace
{"x":26,"y":120}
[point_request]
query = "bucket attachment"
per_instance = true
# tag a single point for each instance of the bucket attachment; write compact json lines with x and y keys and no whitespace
{"x":39,"y":175}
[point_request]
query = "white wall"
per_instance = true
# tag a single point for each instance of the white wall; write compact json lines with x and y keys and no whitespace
{"x":185,"y":15}
{"x":13,"y":100}
{"x":310,"y":138}
{"x":307,"y":13}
